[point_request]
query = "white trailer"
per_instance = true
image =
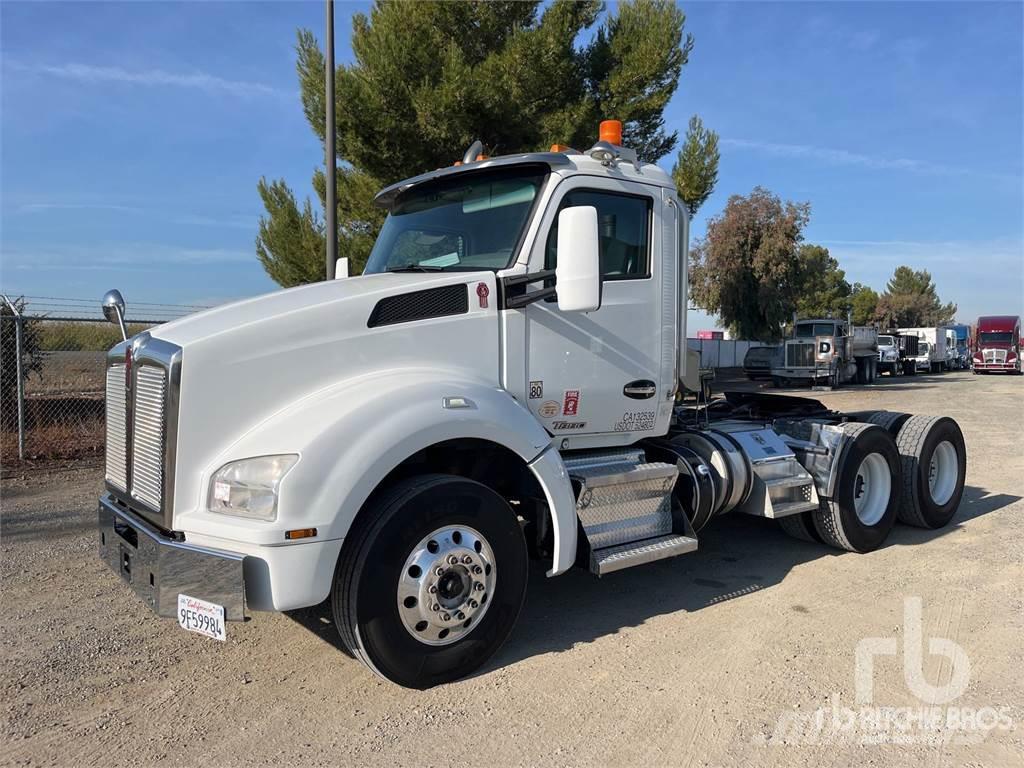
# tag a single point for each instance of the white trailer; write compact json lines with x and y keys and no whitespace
{"x":499,"y":384}
{"x":937,"y":346}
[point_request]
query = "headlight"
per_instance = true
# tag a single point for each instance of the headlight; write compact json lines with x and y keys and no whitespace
{"x":890,"y":355}
{"x":248,"y":488}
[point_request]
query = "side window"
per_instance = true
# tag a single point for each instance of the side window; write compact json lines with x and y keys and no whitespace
{"x":623,"y":223}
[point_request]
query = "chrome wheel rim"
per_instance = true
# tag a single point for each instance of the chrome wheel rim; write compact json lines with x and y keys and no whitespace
{"x":872,"y":488}
{"x":943,"y":470}
{"x":446,"y":584}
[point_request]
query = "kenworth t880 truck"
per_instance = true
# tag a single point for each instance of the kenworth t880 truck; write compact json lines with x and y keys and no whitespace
{"x":498,"y":385}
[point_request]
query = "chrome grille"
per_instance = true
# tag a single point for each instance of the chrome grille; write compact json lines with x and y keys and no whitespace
{"x":799,"y":355}
{"x":997,"y":356}
{"x":148,"y":435}
{"x":117,"y":436}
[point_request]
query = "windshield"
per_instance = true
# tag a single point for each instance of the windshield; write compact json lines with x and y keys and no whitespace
{"x":886,"y":341}
{"x":469,"y":222}
{"x":995,"y":337}
{"x":760,"y":353}
{"x":810,"y":330}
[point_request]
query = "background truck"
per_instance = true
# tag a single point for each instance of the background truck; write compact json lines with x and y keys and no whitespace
{"x":499,"y":384}
{"x":936,"y":347}
{"x":897,"y":353}
{"x":963,"y":345}
{"x":997,"y":344}
{"x":829,"y":351}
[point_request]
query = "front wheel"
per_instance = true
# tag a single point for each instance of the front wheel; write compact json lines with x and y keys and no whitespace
{"x":432,"y":582}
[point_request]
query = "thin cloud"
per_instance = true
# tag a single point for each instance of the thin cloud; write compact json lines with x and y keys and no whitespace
{"x":204,"y":81}
{"x":832,"y":156}
{"x":130,"y":256}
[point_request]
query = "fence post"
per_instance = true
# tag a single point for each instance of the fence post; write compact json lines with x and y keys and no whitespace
{"x":21,"y":387}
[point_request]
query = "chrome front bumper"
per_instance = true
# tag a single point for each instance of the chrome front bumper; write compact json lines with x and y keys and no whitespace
{"x":158,"y":569}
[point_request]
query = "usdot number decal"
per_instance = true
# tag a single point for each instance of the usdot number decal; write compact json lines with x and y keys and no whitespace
{"x":635,"y":421}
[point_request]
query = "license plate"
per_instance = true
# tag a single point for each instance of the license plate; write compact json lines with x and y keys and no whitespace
{"x":200,"y":616}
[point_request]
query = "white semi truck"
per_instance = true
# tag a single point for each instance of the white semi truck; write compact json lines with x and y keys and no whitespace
{"x":499,"y":384}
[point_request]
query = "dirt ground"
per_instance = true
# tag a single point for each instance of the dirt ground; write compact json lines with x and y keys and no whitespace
{"x":741,"y":653}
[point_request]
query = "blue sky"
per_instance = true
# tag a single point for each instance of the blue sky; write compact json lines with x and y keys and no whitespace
{"x":133,"y":136}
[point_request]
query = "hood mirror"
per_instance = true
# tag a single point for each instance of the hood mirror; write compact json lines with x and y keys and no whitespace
{"x":113,"y":310}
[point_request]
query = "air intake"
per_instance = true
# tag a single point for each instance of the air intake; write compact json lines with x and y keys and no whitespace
{"x":420,"y":305}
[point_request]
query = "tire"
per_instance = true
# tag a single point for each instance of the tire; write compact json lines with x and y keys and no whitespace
{"x":862,"y":374}
{"x":835,"y":378}
{"x":890,"y":421}
{"x":777,"y":382}
{"x":800,"y":526}
{"x":872,"y":370}
{"x":864,"y":505}
{"x":932,"y":485}
{"x":373,"y":573}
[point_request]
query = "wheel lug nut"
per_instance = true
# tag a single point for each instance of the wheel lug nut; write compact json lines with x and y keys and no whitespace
{"x":460,"y":616}
{"x":474,"y":604}
{"x":452,"y":560}
{"x":432,"y":590}
{"x":435,"y":607}
{"x":439,"y":571}
{"x":466,"y":559}
{"x":477,"y":569}
{"x":478,"y":587}
{"x":446,"y":617}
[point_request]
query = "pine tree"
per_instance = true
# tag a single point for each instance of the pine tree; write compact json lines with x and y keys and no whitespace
{"x":429,"y":78}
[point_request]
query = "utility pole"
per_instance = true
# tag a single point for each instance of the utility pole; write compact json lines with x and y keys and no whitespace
{"x":331,"y":157}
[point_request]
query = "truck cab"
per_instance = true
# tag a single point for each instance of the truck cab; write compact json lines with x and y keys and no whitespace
{"x":997,"y":345}
{"x":500,"y":384}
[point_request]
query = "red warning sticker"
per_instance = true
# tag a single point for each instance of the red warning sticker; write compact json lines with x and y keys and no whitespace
{"x":571,"y":403}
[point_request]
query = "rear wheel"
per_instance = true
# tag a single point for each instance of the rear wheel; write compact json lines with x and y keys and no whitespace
{"x":800,"y":526}
{"x":863,"y":506}
{"x":934,"y":460}
{"x":433,"y":581}
{"x":890,"y":421}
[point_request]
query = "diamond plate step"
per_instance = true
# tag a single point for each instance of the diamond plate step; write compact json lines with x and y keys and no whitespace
{"x":791,"y":508}
{"x":616,"y":558}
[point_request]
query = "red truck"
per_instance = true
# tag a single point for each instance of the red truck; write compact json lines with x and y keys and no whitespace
{"x":997,"y":344}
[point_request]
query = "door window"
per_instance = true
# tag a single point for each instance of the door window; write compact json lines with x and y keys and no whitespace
{"x":623,"y":223}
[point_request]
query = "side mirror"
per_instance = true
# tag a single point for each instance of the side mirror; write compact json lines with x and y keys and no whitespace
{"x":113,"y":310}
{"x":578,"y":270}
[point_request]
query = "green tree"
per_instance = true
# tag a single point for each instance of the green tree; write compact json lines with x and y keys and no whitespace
{"x":864,"y":305}
{"x":696,"y":170}
{"x":824,"y":291}
{"x":911,"y":300}
{"x":428,"y":78}
{"x":747,"y":267}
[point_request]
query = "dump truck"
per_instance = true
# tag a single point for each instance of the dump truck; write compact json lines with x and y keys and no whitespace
{"x":828,"y":351}
{"x":499,"y":385}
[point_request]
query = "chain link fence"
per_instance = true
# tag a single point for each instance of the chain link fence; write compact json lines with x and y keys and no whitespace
{"x":52,"y":375}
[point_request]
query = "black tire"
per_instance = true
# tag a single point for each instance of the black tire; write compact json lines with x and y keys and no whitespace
{"x":364,"y":594}
{"x":800,"y":526}
{"x":872,"y":370}
{"x":835,"y":378}
{"x":862,"y":374}
{"x":917,"y":441}
{"x":890,"y":421}
{"x":836,"y":520}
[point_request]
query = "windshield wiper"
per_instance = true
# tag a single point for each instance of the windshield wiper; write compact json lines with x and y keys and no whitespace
{"x":415,"y":268}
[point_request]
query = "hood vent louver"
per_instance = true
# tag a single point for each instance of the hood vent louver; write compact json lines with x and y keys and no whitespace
{"x":420,"y":305}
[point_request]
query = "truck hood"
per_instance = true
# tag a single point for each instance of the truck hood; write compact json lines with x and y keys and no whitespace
{"x":283,"y":307}
{"x":246,"y":362}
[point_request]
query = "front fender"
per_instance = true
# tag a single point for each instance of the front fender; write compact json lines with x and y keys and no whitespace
{"x":350,"y":436}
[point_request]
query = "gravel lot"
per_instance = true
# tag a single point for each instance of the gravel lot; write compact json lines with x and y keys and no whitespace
{"x":691,"y":661}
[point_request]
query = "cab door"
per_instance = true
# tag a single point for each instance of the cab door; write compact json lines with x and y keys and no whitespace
{"x":603,"y":372}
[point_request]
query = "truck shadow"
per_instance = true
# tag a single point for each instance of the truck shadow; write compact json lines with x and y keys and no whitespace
{"x":738,"y":555}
